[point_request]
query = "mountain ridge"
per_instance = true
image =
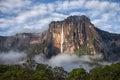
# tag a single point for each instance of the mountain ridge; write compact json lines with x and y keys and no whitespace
{"x":80,"y":37}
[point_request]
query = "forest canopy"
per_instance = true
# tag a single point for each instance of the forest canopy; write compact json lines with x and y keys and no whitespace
{"x":45,"y":72}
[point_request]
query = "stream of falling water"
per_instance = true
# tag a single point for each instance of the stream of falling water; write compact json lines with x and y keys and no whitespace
{"x":62,"y":40}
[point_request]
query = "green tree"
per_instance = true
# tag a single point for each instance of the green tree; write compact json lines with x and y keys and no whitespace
{"x":14,"y":72}
{"x":42,"y":72}
{"x":100,"y":73}
{"x":116,"y":71}
{"x":3,"y":68}
{"x":60,"y":73}
{"x":78,"y":74}
{"x":106,"y":72}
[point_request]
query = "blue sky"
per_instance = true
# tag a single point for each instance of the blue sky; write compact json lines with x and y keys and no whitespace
{"x":18,"y":16}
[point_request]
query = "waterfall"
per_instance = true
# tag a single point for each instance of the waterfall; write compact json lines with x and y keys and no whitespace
{"x":62,"y":37}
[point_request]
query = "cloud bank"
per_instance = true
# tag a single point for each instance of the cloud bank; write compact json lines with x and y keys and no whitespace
{"x":71,"y":61}
{"x":12,"y":58}
{"x":67,"y":61}
{"x":35,"y":15}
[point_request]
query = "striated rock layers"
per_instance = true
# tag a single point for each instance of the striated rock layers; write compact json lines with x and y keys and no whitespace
{"x":75,"y":34}
{"x":79,"y":35}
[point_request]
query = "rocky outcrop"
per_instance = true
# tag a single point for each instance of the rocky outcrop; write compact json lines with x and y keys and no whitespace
{"x":78,"y":33}
{"x":79,"y":36}
{"x":19,"y":42}
{"x":111,"y":48}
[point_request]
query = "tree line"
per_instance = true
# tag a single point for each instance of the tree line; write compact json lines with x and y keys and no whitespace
{"x":45,"y":72}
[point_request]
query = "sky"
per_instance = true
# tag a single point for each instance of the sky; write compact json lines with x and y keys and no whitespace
{"x":34,"y":16}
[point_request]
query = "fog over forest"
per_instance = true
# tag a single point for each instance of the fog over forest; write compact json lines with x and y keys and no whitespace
{"x":67,"y":61}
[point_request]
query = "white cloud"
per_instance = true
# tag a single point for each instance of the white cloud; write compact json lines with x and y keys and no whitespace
{"x":6,"y":22}
{"x":71,"y":61}
{"x":12,"y":5}
{"x":2,"y":23}
{"x":67,"y":61}
{"x":78,"y":13}
{"x":96,"y":21}
{"x":69,"y":5}
{"x":12,"y":57}
{"x":36,"y":11}
{"x":100,"y":23}
{"x":102,"y":13}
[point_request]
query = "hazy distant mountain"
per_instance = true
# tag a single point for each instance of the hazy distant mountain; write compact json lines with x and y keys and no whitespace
{"x":74,"y":35}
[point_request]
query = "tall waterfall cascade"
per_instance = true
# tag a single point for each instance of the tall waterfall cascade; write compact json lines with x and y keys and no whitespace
{"x":62,"y":40}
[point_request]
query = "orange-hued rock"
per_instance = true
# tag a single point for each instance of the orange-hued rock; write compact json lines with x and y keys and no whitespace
{"x":57,"y":40}
{"x":78,"y":31}
{"x":34,"y":42}
{"x":80,"y":36}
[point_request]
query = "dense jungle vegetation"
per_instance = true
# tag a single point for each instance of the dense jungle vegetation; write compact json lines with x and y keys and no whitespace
{"x":45,"y":72}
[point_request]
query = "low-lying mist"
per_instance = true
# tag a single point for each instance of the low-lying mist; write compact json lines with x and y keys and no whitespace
{"x":67,"y":61}
{"x":12,"y":57}
{"x":71,"y":61}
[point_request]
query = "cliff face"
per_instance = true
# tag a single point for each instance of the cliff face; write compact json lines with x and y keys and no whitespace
{"x":75,"y":34}
{"x":19,"y":42}
{"x":79,"y":35}
{"x":111,"y":41}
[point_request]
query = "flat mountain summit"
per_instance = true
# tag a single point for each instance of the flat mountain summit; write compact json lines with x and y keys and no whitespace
{"x":73,"y":35}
